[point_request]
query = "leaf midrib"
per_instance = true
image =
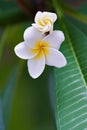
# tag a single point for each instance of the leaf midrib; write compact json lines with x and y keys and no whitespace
{"x":63,"y":26}
{"x":75,"y":57}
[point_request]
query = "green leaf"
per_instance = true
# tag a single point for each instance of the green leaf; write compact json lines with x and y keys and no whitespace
{"x":79,"y":43}
{"x":70,"y":88}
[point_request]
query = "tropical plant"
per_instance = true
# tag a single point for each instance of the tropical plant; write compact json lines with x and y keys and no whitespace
{"x":57,"y":100}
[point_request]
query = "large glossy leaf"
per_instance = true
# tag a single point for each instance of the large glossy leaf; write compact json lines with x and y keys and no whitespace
{"x":70,"y":88}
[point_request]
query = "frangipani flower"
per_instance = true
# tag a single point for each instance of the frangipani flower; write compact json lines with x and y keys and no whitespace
{"x":44,"y":21}
{"x":40,"y":50}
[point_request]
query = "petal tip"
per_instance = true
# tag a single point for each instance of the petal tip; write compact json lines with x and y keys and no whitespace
{"x":16,"y":50}
{"x":36,"y":67}
{"x":33,"y":75}
{"x":61,"y":35}
{"x":64,"y":63}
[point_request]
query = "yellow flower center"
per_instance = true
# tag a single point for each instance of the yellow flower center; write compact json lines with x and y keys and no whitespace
{"x":40,"y":49}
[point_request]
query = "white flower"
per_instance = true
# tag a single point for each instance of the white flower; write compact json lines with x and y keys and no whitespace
{"x":44,"y":21}
{"x":40,"y":50}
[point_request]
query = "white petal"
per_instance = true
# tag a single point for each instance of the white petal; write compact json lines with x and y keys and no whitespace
{"x":31,"y":36}
{"x":55,"y":58}
{"x":37,"y":26}
{"x":36,"y":66}
{"x":37,"y":16}
{"x":23,"y":51}
{"x":40,"y":14}
{"x":52,"y":15}
{"x":55,"y":39}
{"x":45,"y":28}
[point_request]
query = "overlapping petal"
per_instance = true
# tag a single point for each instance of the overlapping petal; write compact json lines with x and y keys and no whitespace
{"x":38,"y":15}
{"x":31,"y":35}
{"x":55,"y":39}
{"x":36,"y":66}
{"x":55,"y":58}
{"x":53,"y":16}
{"x":22,"y":51}
{"x":47,"y":28}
